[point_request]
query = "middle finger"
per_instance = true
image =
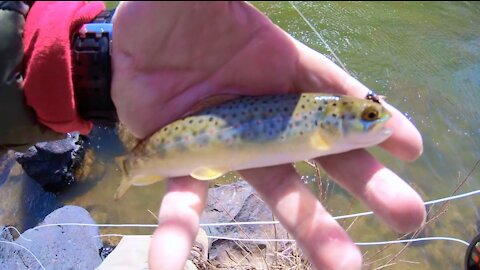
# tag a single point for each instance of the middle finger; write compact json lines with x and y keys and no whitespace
{"x":323,"y":240}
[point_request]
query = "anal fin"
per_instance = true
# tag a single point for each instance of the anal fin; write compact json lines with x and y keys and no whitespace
{"x":205,"y":173}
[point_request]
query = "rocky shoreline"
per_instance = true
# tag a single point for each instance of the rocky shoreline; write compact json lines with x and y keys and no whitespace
{"x":53,"y":166}
{"x":79,"y":247}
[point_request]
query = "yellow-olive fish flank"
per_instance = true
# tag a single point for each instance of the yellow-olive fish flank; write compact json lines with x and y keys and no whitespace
{"x":252,"y":132}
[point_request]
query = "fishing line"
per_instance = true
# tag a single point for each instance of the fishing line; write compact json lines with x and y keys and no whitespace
{"x":16,"y":230}
{"x":319,"y":36}
{"x":219,"y":224}
{"x":423,"y":239}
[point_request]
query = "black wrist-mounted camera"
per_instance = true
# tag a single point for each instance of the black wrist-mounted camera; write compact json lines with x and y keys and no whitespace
{"x":92,"y":73}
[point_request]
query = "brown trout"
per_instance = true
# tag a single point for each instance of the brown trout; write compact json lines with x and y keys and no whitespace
{"x":252,"y":132}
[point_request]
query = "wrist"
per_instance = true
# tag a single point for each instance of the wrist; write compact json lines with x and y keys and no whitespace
{"x":91,"y":67}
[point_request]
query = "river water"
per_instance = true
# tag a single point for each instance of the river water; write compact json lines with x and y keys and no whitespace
{"x":425,"y":57}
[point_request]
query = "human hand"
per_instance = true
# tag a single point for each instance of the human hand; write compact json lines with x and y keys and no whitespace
{"x":169,"y":58}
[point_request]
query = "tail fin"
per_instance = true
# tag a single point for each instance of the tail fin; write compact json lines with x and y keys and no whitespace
{"x":125,"y":184}
{"x":137,"y":180}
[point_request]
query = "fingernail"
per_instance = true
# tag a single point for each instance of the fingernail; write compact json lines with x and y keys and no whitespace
{"x":352,"y":259}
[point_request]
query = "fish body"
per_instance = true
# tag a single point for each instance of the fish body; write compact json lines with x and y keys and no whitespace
{"x":252,"y":132}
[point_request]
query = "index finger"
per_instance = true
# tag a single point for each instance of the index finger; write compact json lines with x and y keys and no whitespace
{"x":316,"y":73}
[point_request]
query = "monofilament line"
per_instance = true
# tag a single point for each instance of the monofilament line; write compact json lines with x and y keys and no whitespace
{"x":320,"y":37}
{"x":423,"y":239}
{"x":450,"y":198}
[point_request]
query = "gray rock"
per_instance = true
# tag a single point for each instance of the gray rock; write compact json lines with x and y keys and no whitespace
{"x":58,"y":247}
{"x":8,"y":252}
{"x":51,"y":164}
{"x":5,"y":234}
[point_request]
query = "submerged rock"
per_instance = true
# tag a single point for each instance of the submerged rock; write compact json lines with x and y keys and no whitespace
{"x":23,"y":202}
{"x":238,"y":202}
{"x":51,"y":164}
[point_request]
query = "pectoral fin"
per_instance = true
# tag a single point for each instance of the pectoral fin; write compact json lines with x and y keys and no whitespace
{"x":204,"y":173}
{"x":318,"y":142}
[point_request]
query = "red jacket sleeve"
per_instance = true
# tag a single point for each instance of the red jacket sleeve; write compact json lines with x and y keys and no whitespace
{"x":48,"y":85}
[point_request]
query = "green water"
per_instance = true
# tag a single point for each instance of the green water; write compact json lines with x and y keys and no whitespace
{"x":425,"y":57}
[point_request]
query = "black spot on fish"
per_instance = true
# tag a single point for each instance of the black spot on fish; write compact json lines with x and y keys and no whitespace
{"x":345,"y":103}
{"x":305,"y":117}
{"x":303,"y":106}
{"x":334,"y":115}
{"x":320,"y":108}
{"x":301,"y":133}
{"x":191,"y":121}
{"x":210,"y":119}
{"x":352,"y":116}
{"x":334,"y":104}
{"x":176,"y":127}
{"x":316,"y":123}
{"x":325,"y":102}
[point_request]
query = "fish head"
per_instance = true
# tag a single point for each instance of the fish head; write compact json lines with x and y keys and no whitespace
{"x":354,"y":122}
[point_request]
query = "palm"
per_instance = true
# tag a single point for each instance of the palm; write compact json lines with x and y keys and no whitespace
{"x":169,"y":57}
{"x":174,"y":70}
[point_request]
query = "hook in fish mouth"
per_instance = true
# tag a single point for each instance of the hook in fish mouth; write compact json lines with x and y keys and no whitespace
{"x":373,"y":97}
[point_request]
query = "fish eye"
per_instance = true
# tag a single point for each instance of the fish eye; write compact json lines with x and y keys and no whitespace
{"x":370,"y":114}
